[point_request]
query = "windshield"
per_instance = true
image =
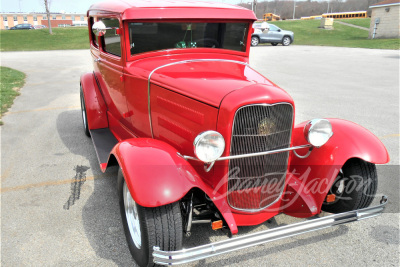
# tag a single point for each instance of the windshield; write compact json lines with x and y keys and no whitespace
{"x":145,"y":37}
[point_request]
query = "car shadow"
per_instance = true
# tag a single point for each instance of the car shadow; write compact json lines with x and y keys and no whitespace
{"x":101,"y":216}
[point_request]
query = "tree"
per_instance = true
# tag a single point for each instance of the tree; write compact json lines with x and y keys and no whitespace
{"x":47,"y":4}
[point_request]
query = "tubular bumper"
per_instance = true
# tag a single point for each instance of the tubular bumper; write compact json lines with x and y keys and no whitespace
{"x":225,"y":246}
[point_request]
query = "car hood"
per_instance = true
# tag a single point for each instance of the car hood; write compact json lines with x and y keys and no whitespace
{"x":286,"y":32}
{"x":206,"y":80}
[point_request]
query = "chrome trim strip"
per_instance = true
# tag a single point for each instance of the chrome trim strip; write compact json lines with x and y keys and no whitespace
{"x":265,"y":153}
{"x":252,"y":154}
{"x":176,"y":63}
{"x":250,"y":240}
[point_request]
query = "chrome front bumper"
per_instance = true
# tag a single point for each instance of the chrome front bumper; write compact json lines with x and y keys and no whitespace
{"x":225,"y":246}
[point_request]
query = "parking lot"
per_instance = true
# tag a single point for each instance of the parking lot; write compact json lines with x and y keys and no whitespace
{"x":58,"y":209}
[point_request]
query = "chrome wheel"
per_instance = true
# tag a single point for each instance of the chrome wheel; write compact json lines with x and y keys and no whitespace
{"x":254,"y":41}
{"x":132,"y":217}
{"x":84,"y":115}
{"x":83,"y":112}
{"x":286,"y":41}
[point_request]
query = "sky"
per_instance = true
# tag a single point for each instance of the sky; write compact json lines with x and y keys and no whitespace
{"x":68,"y":6}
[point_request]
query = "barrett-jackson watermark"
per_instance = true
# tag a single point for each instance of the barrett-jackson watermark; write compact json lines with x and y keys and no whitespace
{"x":271,"y":185}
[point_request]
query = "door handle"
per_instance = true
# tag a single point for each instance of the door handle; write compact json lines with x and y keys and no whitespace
{"x":97,"y":60}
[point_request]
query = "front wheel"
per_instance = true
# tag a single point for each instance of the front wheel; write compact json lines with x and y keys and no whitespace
{"x":286,"y":41}
{"x":148,"y":227}
{"x":354,"y":188}
{"x":255,"y":41}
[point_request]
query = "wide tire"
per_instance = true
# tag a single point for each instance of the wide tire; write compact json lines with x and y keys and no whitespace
{"x":354,"y":188}
{"x":160,"y":226}
{"x":255,"y":41}
{"x":84,"y":115}
{"x":286,"y":41}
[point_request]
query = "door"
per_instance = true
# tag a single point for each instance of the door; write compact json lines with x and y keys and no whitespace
{"x":109,"y":71}
{"x":273,"y":34}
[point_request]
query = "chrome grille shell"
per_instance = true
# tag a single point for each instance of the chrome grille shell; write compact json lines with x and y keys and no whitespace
{"x":257,"y":182}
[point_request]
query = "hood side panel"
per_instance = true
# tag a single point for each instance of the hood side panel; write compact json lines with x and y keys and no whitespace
{"x":177,"y":120}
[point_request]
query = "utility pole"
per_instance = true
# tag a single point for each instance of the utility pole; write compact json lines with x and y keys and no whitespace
{"x":294,"y":8}
{"x":327,"y":11}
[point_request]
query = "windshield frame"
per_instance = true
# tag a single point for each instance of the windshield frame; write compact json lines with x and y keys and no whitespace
{"x":172,"y":51}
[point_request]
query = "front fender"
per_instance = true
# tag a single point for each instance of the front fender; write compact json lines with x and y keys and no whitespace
{"x":156,"y":175}
{"x":318,"y":172}
{"x":349,"y":140}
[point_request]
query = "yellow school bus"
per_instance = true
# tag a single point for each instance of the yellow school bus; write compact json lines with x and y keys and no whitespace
{"x":271,"y":17}
{"x":346,"y":15}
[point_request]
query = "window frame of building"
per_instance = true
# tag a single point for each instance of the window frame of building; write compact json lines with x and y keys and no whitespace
{"x":34,"y":18}
{"x":25,"y":17}
{"x":82,"y":18}
{"x":15,"y":18}
{"x":73,"y":17}
{"x":63,"y":17}
{"x":54,"y":17}
{"x":5,"y":18}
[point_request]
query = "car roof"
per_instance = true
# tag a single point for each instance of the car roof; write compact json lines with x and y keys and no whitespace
{"x":171,"y":9}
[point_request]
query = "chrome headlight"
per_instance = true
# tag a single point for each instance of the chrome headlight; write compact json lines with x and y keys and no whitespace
{"x":318,"y":131}
{"x":208,"y":146}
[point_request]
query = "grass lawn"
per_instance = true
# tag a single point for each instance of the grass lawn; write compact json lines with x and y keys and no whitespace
{"x":306,"y":32}
{"x":11,"y":81}
{"x":359,"y":22}
{"x":34,"y":40}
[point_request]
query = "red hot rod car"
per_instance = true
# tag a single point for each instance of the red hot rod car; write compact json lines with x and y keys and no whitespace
{"x":201,"y":137}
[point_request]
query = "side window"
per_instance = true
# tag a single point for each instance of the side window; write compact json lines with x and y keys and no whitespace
{"x":272,"y":28}
{"x":111,"y":40}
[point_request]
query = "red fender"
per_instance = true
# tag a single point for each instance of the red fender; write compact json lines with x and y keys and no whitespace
{"x":318,"y":171}
{"x":156,"y":175}
{"x":96,"y":109}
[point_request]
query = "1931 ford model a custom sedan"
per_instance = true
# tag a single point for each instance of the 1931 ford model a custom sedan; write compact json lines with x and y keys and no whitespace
{"x":201,"y":137}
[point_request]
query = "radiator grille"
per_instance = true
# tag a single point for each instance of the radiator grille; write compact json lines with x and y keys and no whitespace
{"x":255,"y":183}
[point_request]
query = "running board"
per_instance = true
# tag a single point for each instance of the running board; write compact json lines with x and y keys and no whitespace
{"x":225,"y":246}
{"x":103,"y":141}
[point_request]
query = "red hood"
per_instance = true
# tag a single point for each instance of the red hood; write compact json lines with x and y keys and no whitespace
{"x":208,"y":81}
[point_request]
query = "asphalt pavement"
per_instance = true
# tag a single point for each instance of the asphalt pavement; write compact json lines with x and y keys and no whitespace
{"x":58,"y":209}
